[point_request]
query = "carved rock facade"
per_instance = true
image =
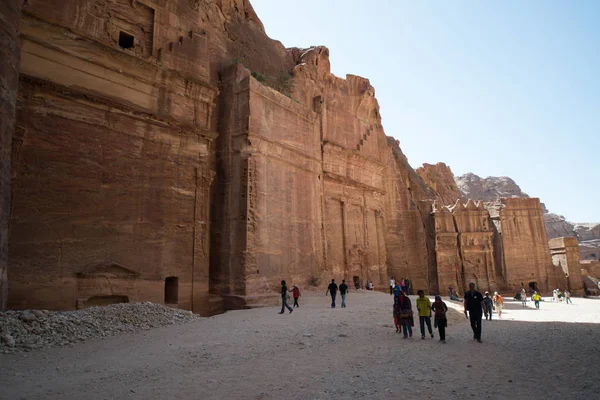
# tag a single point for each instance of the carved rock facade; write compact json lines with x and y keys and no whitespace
{"x":498,"y":246}
{"x":151,"y":164}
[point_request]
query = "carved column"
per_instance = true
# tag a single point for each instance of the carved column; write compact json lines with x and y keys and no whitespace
{"x":344,"y":233}
{"x":10,"y":12}
{"x":201,"y":244}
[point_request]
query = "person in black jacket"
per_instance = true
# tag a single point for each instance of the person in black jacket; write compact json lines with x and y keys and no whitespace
{"x":474,"y":304}
{"x":332,"y":288}
{"x":343,"y":292}
{"x":284,"y":304}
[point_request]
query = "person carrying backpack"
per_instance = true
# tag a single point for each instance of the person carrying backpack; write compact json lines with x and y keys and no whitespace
{"x":424,"y":307}
{"x":406,"y":315}
{"x":440,"y":321}
{"x":284,"y":293}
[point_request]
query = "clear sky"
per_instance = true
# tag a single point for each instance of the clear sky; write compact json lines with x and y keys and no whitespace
{"x":497,"y":88}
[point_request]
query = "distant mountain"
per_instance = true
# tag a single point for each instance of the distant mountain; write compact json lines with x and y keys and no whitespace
{"x":489,"y":189}
{"x":493,"y":188}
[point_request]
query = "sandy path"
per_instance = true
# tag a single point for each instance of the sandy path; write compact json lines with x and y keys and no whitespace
{"x":319,"y":353}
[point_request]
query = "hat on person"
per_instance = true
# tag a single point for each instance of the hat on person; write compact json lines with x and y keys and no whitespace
{"x":295,"y":286}
{"x":495,"y":293}
{"x":487,"y":292}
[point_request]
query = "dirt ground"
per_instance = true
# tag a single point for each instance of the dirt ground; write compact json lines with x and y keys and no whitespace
{"x":321,"y":353}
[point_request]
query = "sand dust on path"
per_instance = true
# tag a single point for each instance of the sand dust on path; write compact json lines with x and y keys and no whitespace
{"x":322,"y":353}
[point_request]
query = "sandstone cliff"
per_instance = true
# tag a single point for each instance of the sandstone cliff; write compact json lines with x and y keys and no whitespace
{"x":488,"y":189}
{"x":171,"y":152}
{"x":493,"y":188}
{"x":440,"y":178}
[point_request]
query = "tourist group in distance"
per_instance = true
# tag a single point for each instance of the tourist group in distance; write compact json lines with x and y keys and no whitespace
{"x":476,"y":306}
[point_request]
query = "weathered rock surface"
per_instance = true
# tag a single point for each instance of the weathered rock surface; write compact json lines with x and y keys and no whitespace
{"x":9,"y":82}
{"x":492,"y":188}
{"x":488,"y":189}
{"x":441,"y":179}
{"x":27,"y":330}
{"x":171,"y":152}
{"x":558,"y":226}
{"x":565,"y":255}
{"x":587,"y":232}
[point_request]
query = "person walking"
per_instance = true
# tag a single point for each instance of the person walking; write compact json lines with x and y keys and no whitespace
{"x":568,"y":297}
{"x":397,"y":290}
{"x":296,"y":294}
{"x":440,"y":321}
{"x":402,"y":285}
{"x":554,"y":296}
{"x":474,"y":304}
{"x":396,"y":313}
{"x":392,"y":285}
{"x":332,"y":289}
{"x":284,"y":294}
{"x":536,"y":299}
{"x":406,"y":315}
{"x":488,"y":305}
{"x":407,"y":286}
{"x":424,"y":308}
{"x":498,"y":303}
{"x":523,"y":296}
{"x":343,"y":292}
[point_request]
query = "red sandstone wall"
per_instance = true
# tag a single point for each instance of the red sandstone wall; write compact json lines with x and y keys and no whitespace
{"x":112,"y":170}
{"x":565,"y":257}
{"x":9,"y":78}
{"x":439,"y":177}
{"x":406,"y":235}
{"x":476,"y":245}
{"x":448,"y":260}
{"x":525,"y":243}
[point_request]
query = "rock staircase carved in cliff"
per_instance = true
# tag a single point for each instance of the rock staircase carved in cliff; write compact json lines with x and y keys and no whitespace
{"x":363,"y":139}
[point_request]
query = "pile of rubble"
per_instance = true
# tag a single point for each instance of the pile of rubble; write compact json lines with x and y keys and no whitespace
{"x":31,"y":329}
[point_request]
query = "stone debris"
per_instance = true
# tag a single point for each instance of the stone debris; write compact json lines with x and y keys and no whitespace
{"x":32,"y":329}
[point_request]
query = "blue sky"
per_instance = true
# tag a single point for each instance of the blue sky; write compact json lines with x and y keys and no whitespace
{"x":497,"y":88}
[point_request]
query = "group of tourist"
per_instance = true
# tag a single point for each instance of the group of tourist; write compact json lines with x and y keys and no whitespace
{"x":403,"y":284}
{"x":403,"y":313}
{"x":557,"y":296}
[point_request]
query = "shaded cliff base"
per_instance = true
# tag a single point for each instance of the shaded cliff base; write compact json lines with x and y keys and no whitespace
{"x":317,"y":352}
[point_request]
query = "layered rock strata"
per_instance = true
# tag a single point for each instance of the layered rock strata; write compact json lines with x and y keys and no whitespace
{"x":169,"y":151}
{"x":497,"y":246}
{"x":440,"y":178}
{"x":9,"y":81}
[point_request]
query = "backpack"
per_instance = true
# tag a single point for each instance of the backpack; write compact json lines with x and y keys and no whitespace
{"x":440,"y":312}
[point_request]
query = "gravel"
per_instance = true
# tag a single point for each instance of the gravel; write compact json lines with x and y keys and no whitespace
{"x":31,"y":329}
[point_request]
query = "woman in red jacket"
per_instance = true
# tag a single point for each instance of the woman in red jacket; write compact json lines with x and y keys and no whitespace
{"x":296,"y":293}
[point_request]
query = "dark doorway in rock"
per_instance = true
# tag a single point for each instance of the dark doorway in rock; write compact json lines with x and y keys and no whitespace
{"x":126,"y":40}
{"x":171,"y":290}
{"x":97,"y":301}
{"x":533,"y":286}
{"x":356,"y":280}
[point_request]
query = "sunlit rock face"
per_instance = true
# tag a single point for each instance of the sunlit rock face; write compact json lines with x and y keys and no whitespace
{"x":171,"y":152}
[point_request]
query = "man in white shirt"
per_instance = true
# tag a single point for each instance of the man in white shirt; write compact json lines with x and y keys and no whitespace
{"x":392,"y":285}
